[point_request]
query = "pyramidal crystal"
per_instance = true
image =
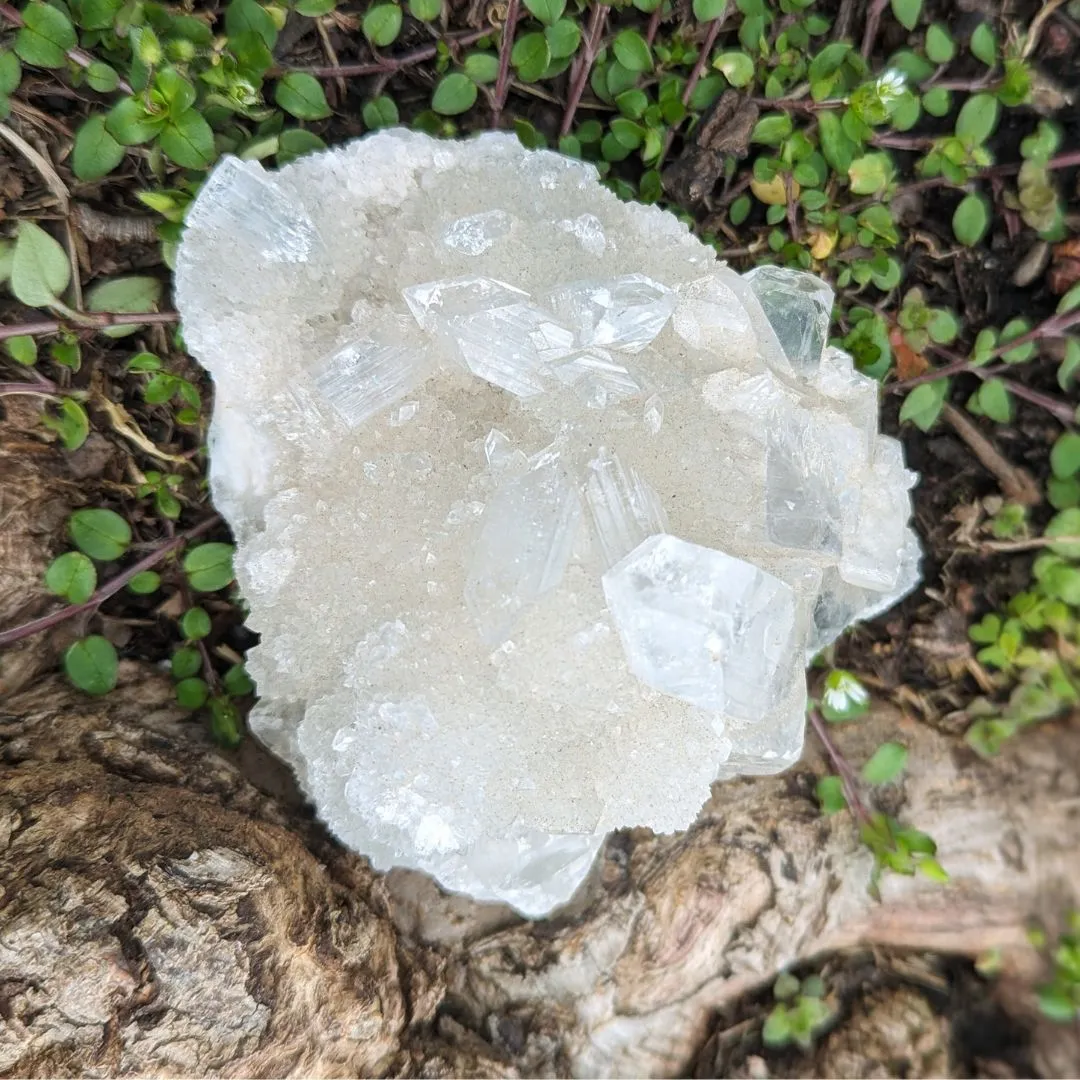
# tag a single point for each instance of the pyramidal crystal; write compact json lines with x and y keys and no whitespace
{"x":539,"y":509}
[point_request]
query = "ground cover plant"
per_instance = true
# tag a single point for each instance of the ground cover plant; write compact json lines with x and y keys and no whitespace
{"x":921,"y":156}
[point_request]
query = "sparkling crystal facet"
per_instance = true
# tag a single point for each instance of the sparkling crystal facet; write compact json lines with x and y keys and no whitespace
{"x":701,"y":625}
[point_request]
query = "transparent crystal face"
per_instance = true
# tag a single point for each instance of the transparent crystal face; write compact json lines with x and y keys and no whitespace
{"x":702,"y":626}
{"x":539,"y":509}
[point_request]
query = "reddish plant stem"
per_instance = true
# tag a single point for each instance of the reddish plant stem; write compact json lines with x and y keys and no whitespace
{"x":654,"y":24}
{"x":506,"y":44}
{"x":46,"y":622}
{"x":76,"y":56}
{"x":387,"y":65}
{"x":89,"y":320}
{"x":1054,"y":327}
{"x":873,"y":20}
{"x":695,"y":77}
{"x":702,"y":60}
{"x":847,"y":775}
{"x":799,"y":104}
{"x":583,"y":65}
{"x":1062,"y":161}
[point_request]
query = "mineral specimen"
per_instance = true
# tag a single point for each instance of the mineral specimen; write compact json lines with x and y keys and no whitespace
{"x":539,"y":508}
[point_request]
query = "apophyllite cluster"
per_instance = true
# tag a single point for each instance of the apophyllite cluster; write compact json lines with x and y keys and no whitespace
{"x":539,"y":509}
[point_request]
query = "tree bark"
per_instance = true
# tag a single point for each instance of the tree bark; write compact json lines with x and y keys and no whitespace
{"x":170,"y":909}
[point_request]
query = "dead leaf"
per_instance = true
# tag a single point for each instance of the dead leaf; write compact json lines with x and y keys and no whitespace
{"x":909,"y":363}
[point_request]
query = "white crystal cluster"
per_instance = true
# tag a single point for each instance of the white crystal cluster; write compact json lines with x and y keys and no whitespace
{"x":539,"y":508}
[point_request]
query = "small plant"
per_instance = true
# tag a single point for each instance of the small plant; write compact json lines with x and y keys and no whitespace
{"x":1059,"y":998}
{"x":896,"y":847}
{"x":800,"y":1013}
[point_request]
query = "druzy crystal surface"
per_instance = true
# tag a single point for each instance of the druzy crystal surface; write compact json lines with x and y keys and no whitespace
{"x":539,"y":509}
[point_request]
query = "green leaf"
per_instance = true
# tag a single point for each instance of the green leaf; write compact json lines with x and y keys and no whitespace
{"x":10,"y":72}
{"x":425,"y":10}
{"x":102,"y":78}
{"x":839,"y":150}
{"x":736,"y":67}
{"x":40,"y":270}
{"x":1065,"y":456}
{"x":828,"y":61}
{"x":209,"y":567}
{"x":301,"y":95}
{"x":188,"y":140}
{"x":943,"y":326}
{"x":977,"y":120}
{"x":96,"y":153}
{"x":870,"y":174}
{"x":940,"y":47}
{"x":22,"y":349}
{"x":907,"y":12}
{"x":706,"y":92}
{"x":785,"y":987}
{"x":1057,"y":1004}
{"x":70,"y":423}
{"x":547,"y":11}
{"x":186,"y":661}
{"x":314,"y":8}
{"x":995,"y":401}
{"x":455,"y":94}
{"x":237,"y":682}
{"x":482,"y":67}
{"x":563,"y":38}
{"x":296,"y":142}
{"x":1065,"y":524}
{"x":224,"y":722}
{"x":382,"y":24}
{"x":125,"y":295}
{"x":531,"y":56}
{"x":45,"y":36}
{"x":937,"y":102}
{"x":246,"y":17}
{"x":380,"y":112}
{"x":923,"y":405}
{"x":777,"y":1028}
{"x":1070,"y":365}
{"x":91,"y":665}
{"x":195,"y":624}
{"x":886,"y":764}
{"x":772,"y":129}
{"x":102,"y":534}
{"x":192,"y":693}
{"x":971,"y":219}
{"x":632,"y":51}
{"x":739,"y":210}
{"x":830,"y":794}
{"x":130,"y":124}
{"x":1015,"y":328}
{"x":984,"y":44}
{"x":72,"y":576}
{"x":632,"y":103}
{"x":147,"y":582}
{"x":707,"y":10}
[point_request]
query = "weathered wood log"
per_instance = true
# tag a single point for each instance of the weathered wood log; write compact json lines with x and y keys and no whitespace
{"x":163,"y":914}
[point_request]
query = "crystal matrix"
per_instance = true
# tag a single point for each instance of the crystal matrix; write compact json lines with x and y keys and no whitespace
{"x":539,"y":509}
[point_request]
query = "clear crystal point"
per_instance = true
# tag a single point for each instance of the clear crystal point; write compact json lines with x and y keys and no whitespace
{"x":364,"y":377}
{"x":624,"y":509}
{"x":525,"y":543}
{"x":702,"y":626}
{"x":798,"y":306}
{"x":624,"y":314}
{"x":241,"y":198}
